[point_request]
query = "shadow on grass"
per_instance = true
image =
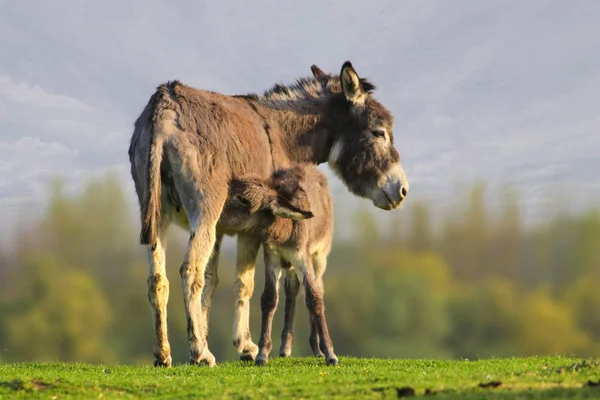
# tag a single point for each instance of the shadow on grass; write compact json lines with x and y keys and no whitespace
{"x":33,"y":385}
{"x":585,"y":392}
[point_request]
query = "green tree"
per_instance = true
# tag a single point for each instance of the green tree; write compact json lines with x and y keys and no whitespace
{"x":547,"y":327}
{"x":483,"y":319}
{"x":587,"y":252}
{"x":409,"y":316}
{"x":60,"y":315}
{"x":366,"y":228}
{"x":583,"y":301}
{"x":421,"y":237}
{"x":465,"y":241}
{"x":505,"y":245}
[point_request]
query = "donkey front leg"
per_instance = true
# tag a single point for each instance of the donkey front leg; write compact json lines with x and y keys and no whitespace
{"x":211,"y":277}
{"x":316,"y":308}
{"x":292,"y":287}
{"x":268,"y":305}
{"x":247,"y":250}
{"x":158,"y":296}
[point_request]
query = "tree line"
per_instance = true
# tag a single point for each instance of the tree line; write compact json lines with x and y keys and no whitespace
{"x":73,"y":285}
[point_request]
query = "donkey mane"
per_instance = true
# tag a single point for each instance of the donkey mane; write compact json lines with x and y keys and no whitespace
{"x":303,"y":89}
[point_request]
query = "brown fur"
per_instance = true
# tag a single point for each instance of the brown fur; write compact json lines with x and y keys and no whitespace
{"x":189,"y":144}
{"x":292,"y":212}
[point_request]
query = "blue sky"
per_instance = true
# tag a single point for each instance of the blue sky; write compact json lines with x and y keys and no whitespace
{"x":506,"y":91}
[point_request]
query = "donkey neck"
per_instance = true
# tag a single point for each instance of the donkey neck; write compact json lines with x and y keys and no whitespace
{"x":299,"y":136}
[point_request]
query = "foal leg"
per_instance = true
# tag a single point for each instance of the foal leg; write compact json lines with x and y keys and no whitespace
{"x":316,"y":306}
{"x":292,"y":287}
{"x":158,"y":296}
{"x":268,"y":305}
{"x":313,"y":340}
{"x":247,"y":250}
{"x":319,"y":264}
{"x":212,"y":280}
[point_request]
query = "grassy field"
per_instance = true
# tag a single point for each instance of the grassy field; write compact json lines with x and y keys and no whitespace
{"x":516,"y":378}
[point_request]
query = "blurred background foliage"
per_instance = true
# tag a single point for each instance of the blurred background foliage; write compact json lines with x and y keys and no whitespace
{"x":73,"y":285}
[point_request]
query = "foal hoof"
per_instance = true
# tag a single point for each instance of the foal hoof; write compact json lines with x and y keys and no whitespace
{"x":317,"y":352}
{"x":284,"y":355}
{"x":332,"y":361}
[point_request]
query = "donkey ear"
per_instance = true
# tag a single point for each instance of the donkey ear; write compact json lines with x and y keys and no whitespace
{"x":351,"y":85}
{"x":290,"y":212}
{"x":317,"y":72}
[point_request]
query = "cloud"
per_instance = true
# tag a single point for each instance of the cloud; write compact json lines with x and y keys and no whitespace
{"x":494,"y":90}
{"x":37,"y":147}
{"x":31,"y":95}
{"x":548,"y":171}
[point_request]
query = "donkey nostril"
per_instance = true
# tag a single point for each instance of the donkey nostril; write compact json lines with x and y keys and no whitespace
{"x":403,"y":192}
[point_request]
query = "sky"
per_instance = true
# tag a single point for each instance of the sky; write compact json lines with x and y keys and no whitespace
{"x":501,"y":91}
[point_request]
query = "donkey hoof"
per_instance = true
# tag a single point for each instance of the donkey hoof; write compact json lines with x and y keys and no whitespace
{"x":208,"y":360}
{"x":247,"y":352}
{"x":203,"y":363}
{"x":332,"y":361}
{"x":261,"y":361}
{"x":164,"y":363}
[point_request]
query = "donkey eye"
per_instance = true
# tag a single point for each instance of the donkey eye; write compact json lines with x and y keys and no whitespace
{"x":378,"y":133}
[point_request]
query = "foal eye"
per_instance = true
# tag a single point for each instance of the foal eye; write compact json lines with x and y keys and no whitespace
{"x":378,"y":133}
{"x":242,"y":200}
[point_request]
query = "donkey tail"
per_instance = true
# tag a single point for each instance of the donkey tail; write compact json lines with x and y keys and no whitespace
{"x":162,"y":110}
{"x":151,"y":208}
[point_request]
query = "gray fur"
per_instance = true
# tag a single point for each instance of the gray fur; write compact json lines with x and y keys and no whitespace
{"x":189,"y":144}
{"x":292,"y":212}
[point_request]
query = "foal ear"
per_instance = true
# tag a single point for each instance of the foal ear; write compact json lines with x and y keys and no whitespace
{"x":317,"y":72}
{"x":252,"y":192}
{"x":351,"y":85}
{"x":289,"y":211}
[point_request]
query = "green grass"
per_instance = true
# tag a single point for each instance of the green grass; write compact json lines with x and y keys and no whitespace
{"x":521,"y":378}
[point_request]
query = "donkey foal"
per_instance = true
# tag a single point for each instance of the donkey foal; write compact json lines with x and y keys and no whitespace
{"x":293,"y":215}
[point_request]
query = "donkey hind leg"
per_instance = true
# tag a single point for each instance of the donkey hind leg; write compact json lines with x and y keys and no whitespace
{"x":201,"y":243}
{"x":268,"y":305}
{"x":158,"y":296}
{"x":316,"y":307}
{"x":319,"y":264}
{"x":202,"y":195}
{"x":292,"y":287}
{"x":211,"y":278}
{"x":247,"y":250}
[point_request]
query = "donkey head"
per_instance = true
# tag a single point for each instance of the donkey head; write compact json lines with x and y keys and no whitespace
{"x":363,"y":153}
{"x":282,"y":195}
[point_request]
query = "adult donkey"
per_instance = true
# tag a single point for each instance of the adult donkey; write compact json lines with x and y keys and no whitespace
{"x":187,"y":146}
